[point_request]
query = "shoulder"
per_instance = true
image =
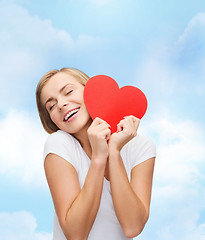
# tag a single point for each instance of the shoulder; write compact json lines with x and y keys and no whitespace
{"x":141,"y":141}
{"x":59,"y":136}
{"x":140,"y":149}
{"x":60,"y":139}
{"x":60,"y":143}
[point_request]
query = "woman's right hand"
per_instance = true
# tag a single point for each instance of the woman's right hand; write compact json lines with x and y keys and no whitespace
{"x":99,"y":133}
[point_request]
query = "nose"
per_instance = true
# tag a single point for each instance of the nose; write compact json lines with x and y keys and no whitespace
{"x":60,"y":108}
{"x":62,"y":103}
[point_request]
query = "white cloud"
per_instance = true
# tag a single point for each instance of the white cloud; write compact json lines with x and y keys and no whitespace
{"x":178,"y":190}
{"x":30,"y":46}
{"x":180,"y":153}
{"x":194,"y":27}
{"x":190,"y":45}
{"x":155,"y":72}
{"x":20,"y":226}
{"x":23,"y":31}
{"x":22,"y":139}
{"x":172,"y":74}
{"x":26,"y":45}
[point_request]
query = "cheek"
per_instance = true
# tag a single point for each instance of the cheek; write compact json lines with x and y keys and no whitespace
{"x":82,"y":100}
{"x":54,"y":118}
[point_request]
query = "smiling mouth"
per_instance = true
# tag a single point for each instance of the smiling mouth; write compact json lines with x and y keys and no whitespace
{"x":70,"y":114}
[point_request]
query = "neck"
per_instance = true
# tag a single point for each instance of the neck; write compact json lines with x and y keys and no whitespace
{"x":83,"y":139}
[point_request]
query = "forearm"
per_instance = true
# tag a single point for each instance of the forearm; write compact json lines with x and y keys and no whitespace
{"x":81,"y":215}
{"x":129,"y":209}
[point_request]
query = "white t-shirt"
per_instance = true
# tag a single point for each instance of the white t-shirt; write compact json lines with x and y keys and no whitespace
{"x":106,"y":225}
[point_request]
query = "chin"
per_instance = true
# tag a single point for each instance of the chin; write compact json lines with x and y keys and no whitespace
{"x":79,"y":128}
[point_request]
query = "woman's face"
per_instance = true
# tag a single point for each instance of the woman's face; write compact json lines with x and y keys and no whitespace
{"x":63,"y":98}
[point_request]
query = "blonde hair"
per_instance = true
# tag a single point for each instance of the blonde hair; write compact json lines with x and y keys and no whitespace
{"x":48,"y":124}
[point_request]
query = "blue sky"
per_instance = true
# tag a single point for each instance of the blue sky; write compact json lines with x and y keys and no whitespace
{"x":158,"y":46}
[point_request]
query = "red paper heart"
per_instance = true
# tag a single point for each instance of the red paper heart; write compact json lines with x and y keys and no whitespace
{"x":104,"y":99}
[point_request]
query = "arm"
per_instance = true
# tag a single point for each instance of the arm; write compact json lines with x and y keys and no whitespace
{"x":76,"y":209}
{"x":131,"y":199}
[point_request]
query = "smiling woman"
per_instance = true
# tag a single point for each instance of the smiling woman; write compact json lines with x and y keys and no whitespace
{"x":62,"y":96}
{"x":48,"y":124}
{"x":100,"y":182}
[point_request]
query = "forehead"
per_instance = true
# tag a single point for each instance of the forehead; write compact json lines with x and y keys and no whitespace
{"x":56,"y":82}
{"x":62,"y":78}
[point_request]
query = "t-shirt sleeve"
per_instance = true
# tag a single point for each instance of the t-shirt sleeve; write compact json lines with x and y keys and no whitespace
{"x":141,"y":149}
{"x":61,"y":144}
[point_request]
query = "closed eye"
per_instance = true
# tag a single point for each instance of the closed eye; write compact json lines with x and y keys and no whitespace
{"x":67,"y":93}
{"x":51,"y":107}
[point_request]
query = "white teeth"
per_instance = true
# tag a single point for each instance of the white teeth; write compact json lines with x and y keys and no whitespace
{"x":70,"y":113}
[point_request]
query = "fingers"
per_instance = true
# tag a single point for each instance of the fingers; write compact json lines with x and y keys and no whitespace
{"x":133,"y":119}
{"x":98,"y":121}
{"x":99,"y":133}
{"x":129,"y":124}
{"x":100,"y":129}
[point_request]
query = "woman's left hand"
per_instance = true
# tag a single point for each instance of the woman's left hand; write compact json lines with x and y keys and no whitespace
{"x":126,"y":130}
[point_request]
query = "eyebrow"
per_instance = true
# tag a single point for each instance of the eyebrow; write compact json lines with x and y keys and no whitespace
{"x":61,"y":90}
